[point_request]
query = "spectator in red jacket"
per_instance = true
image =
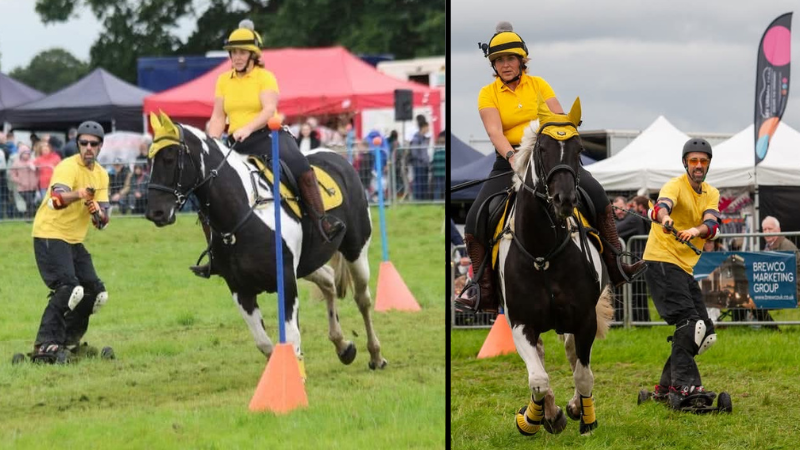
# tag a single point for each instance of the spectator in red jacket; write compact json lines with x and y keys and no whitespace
{"x":45,"y":162}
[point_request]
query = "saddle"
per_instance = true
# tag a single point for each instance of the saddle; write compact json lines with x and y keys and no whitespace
{"x":330,"y":191}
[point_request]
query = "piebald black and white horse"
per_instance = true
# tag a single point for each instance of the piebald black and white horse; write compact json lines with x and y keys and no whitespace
{"x":551,"y":278}
{"x":237,"y":202}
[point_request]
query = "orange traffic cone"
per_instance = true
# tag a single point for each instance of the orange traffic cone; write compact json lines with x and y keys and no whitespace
{"x":281,"y":388}
{"x":499,"y":341}
{"x":392,"y":291}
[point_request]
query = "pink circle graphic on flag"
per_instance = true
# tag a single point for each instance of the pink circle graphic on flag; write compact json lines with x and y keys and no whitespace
{"x":778,"y":46}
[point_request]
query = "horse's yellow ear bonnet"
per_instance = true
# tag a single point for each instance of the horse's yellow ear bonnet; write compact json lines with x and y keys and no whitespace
{"x":165,"y":133}
{"x":560,"y":132}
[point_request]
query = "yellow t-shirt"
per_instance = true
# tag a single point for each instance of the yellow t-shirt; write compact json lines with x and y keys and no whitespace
{"x":241,"y":94}
{"x":71,"y":223}
{"x":688,"y":210}
{"x":518,"y":107}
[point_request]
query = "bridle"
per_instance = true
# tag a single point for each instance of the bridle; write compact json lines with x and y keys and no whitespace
{"x":541,"y":192}
{"x":540,"y":187}
{"x":183,"y":152}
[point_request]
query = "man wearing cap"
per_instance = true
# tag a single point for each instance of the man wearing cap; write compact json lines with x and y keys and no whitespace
{"x":688,"y":206}
{"x":77,"y":196}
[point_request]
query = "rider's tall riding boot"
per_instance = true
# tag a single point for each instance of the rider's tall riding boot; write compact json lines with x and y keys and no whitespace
{"x":608,"y":231}
{"x":329,"y":225}
{"x":488,"y":299}
{"x":203,"y":271}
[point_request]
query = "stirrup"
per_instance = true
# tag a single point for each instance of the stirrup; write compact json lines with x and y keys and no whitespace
{"x":335,"y":225}
{"x":635,"y":259}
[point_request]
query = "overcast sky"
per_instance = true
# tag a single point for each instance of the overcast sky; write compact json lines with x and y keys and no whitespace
{"x":629,"y":61}
{"x":23,"y":35}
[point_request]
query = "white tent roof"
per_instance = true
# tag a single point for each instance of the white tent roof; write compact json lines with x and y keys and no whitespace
{"x":732,"y":164}
{"x":781,"y":167}
{"x":648,"y":161}
{"x":654,"y":157}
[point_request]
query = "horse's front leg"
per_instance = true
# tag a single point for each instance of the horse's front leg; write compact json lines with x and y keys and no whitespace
{"x":554,"y":419}
{"x":530,"y":417}
{"x":583,"y":402}
{"x":324,"y":279}
{"x":248,"y":307}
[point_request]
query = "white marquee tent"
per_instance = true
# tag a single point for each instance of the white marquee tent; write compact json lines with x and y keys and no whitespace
{"x":655,"y":156}
{"x":648,"y":161}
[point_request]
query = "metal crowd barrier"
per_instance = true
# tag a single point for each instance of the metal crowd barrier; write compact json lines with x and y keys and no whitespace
{"x":632,"y":303}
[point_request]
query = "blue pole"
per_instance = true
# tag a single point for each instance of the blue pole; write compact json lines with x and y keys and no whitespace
{"x":276,"y":194}
{"x":381,"y":211}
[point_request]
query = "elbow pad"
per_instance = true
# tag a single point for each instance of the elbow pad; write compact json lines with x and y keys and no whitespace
{"x":659,"y":206}
{"x":713,"y":228}
{"x":56,"y":201}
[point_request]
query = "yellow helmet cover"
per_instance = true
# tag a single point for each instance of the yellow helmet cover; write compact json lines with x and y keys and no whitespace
{"x":244,"y":38}
{"x":165,"y":133}
{"x":560,"y":132}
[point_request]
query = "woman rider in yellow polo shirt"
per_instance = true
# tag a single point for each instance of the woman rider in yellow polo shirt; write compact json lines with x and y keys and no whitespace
{"x":248,"y":97}
{"x":506,"y":107}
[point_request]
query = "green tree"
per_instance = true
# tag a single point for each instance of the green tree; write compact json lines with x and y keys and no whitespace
{"x":51,"y":70}
{"x":404,"y":28}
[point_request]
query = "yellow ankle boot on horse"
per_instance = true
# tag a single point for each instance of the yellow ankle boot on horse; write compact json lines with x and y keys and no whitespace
{"x":529,"y":418}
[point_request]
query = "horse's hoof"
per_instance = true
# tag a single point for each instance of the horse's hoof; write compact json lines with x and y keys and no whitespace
{"x":382,"y":365}
{"x":18,"y":358}
{"x":556,"y":425}
{"x":573,"y":416}
{"x":107,"y":353}
{"x":587,"y":428}
{"x":348,"y":355}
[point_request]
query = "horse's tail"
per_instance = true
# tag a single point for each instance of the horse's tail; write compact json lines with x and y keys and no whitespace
{"x":341,"y":274}
{"x":604,"y":312}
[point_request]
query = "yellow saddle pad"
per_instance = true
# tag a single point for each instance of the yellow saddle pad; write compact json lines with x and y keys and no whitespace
{"x":329,"y":191}
{"x":501,"y":225}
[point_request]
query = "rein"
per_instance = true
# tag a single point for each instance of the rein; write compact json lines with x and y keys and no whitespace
{"x":228,"y":238}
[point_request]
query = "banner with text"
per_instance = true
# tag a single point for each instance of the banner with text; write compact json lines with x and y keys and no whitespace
{"x":748,"y":279}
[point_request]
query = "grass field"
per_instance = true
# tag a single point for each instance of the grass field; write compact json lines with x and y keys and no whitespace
{"x":187,"y":366}
{"x":758,"y":367}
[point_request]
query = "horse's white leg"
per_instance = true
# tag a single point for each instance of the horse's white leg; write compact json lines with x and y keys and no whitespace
{"x":529,"y":418}
{"x":359,"y":269}
{"x":573,"y":407}
{"x":248,"y":307}
{"x":324,"y":279}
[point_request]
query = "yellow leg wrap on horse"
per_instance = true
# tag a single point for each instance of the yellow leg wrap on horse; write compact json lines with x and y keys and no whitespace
{"x":530,"y":422}
{"x":587,"y":410}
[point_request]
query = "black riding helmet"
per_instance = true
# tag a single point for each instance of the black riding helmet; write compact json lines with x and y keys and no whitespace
{"x":696,"y":145}
{"x":91,"y":128}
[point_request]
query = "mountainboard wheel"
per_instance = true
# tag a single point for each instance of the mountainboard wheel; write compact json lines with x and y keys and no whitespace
{"x":107,"y":353}
{"x":724,"y":403}
{"x":644,"y":395}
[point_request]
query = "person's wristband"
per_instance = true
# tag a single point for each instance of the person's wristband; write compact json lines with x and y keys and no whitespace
{"x":510,"y":154}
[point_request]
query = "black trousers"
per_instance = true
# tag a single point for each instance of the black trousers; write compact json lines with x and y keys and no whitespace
{"x":63,"y":266}
{"x":679,"y":301}
{"x":259,"y":143}
{"x":596,"y":192}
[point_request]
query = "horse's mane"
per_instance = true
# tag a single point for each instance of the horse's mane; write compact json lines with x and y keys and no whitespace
{"x":524,"y":152}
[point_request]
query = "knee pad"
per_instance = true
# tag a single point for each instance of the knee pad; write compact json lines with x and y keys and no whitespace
{"x":99,"y":300}
{"x":703,"y":338}
{"x":75,"y":296}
